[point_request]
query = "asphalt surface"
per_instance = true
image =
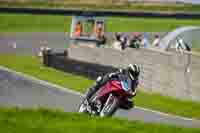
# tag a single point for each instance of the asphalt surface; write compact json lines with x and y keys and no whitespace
{"x":22,"y":91}
{"x":29,"y":43}
{"x":16,"y":90}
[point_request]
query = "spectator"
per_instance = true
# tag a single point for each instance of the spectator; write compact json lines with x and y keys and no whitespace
{"x":145,"y":41}
{"x":135,"y":41}
{"x":117,"y":42}
{"x":124,"y":42}
{"x":101,"y":41}
{"x":118,"y":36}
{"x":78,"y":29}
{"x":156,"y":41}
{"x":181,"y":46}
{"x":100,"y":36}
{"x":99,"y":32}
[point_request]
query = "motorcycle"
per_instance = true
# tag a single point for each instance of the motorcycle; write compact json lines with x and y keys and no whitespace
{"x":107,"y":99}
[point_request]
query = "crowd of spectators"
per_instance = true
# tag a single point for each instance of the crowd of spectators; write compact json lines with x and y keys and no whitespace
{"x":136,"y":40}
{"x":122,"y":40}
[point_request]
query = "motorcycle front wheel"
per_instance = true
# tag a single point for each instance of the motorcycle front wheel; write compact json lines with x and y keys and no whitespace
{"x":110,"y":106}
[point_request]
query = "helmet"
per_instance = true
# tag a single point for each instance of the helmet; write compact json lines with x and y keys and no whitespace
{"x":133,"y":71}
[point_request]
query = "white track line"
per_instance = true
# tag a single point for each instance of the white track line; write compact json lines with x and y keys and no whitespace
{"x":77,"y":93}
{"x":45,"y":83}
{"x":166,"y":114}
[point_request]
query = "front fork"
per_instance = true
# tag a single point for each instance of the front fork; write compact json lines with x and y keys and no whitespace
{"x":97,"y":104}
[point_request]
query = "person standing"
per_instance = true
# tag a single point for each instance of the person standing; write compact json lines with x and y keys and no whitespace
{"x":182,"y":46}
{"x":156,"y":41}
{"x":78,"y":29}
{"x":117,"y":41}
{"x":135,"y":41}
{"x":145,"y":41}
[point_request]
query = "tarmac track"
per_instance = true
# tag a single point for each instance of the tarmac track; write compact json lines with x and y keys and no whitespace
{"x":23,"y":91}
{"x":29,"y":43}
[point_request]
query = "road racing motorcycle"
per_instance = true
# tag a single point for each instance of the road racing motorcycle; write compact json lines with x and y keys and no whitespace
{"x":110,"y":97}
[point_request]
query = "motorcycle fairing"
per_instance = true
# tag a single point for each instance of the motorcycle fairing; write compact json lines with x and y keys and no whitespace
{"x":112,"y":86}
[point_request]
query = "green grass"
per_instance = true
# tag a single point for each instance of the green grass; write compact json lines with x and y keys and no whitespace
{"x":168,"y":104}
{"x":147,"y":24}
{"x":14,"y":120}
{"x":104,"y":5}
{"x":30,"y":23}
{"x":48,"y":23}
{"x":32,"y":66}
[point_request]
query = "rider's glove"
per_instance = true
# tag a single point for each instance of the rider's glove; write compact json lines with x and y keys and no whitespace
{"x":134,"y":93}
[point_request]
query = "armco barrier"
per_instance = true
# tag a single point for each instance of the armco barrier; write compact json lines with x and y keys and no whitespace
{"x":62,"y":62}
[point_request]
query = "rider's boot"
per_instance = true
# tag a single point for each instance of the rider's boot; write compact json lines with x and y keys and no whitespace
{"x":128,"y":104}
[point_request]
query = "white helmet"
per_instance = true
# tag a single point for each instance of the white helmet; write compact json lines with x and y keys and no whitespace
{"x":133,"y":71}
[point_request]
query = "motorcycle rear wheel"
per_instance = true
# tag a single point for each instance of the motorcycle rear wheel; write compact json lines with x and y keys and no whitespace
{"x":83,"y":106}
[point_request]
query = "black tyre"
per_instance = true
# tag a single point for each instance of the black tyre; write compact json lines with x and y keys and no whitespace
{"x":83,"y":106}
{"x":110,"y":106}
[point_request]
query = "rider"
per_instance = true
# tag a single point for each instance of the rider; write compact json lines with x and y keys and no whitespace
{"x":130,"y":75}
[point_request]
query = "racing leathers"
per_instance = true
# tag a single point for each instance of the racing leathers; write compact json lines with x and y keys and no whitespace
{"x":120,"y":75}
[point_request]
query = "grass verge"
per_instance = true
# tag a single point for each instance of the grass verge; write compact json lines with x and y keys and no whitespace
{"x":46,"y":121}
{"x":104,"y":5}
{"x":49,"y":23}
{"x":32,"y":66}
